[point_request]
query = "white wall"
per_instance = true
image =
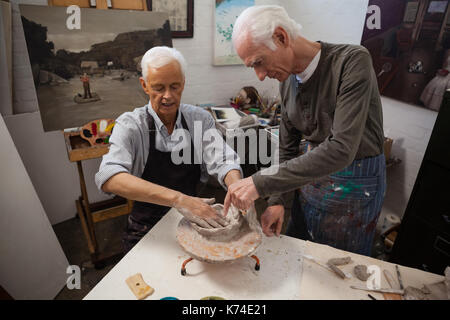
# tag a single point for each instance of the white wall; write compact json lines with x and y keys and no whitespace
{"x":32,"y":264}
{"x":335,"y":21}
{"x":325,"y":20}
{"x":410,"y":126}
{"x":54,"y":177}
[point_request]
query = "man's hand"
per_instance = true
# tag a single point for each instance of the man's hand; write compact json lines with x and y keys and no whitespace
{"x":272,"y":220}
{"x":232,"y":176}
{"x":199,"y":211}
{"x":241,"y":194}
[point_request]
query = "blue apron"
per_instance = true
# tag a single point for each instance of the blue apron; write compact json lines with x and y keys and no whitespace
{"x":342,"y":209}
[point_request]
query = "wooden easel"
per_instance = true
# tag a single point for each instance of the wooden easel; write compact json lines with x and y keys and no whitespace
{"x":79,"y":149}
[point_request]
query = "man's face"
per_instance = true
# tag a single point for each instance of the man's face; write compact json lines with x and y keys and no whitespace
{"x":164,"y":87}
{"x":265,"y":62}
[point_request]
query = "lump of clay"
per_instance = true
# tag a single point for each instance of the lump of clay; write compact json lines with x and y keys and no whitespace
{"x":340,"y":261}
{"x":412,"y":293}
{"x":235,"y":222}
{"x":361,"y":272}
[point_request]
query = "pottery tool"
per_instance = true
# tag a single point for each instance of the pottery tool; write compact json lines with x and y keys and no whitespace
{"x":336,"y":270}
{"x":382,"y":290}
{"x":339,"y":272}
{"x":137,"y":284}
{"x":400,"y":282}
{"x":391,"y":281}
{"x":371,"y":296}
{"x":389,"y":278}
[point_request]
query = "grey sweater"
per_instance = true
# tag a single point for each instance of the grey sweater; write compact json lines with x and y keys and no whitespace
{"x":338,"y":110}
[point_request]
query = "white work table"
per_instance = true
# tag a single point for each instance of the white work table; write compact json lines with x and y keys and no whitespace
{"x":284,"y":273}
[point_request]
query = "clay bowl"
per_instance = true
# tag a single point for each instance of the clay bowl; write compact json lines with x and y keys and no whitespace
{"x":220,"y":245}
{"x":234,"y":219}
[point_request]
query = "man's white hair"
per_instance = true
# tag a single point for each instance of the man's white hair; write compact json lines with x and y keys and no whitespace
{"x":261,"y":21}
{"x":158,"y":57}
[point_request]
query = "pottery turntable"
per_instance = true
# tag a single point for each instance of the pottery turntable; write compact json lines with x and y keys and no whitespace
{"x":239,"y":239}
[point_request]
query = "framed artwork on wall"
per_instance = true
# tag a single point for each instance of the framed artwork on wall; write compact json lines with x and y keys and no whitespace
{"x":226,"y":12}
{"x":181,"y":15}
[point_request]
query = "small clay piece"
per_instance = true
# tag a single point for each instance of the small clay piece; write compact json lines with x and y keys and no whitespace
{"x":337,"y":270}
{"x":137,"y":284}
{"x":412,"y":293}
{"x":340,"y":261}
{"x":360,"y":272}
{"x":425,"y":289}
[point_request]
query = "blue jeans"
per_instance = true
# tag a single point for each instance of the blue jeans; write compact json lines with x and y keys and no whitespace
{"x":342,"y":209}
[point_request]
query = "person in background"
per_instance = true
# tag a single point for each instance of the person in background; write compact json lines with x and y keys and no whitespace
{"x":87,"y":90}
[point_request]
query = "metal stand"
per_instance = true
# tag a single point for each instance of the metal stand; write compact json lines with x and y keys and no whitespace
{"x":183,"y":266}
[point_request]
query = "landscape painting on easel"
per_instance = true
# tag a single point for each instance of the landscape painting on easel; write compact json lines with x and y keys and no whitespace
{"x":91,"y":72}
{"x":409,"y":41}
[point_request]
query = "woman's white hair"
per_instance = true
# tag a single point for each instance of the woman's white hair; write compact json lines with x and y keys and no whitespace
{"x":158,"y":57}
{"x":261,"y":21}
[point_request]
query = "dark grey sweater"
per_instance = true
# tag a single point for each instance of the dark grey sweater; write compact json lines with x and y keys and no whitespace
{"x":338,"y":110}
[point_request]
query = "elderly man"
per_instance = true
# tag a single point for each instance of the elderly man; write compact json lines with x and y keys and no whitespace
{"x":143,"y":163}
{"x":329,"y":98}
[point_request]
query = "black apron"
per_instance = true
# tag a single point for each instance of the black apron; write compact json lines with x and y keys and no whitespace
{"x":159,"y":169}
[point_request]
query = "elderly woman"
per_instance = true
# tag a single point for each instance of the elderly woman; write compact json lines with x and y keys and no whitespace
{"x":143,"y":161}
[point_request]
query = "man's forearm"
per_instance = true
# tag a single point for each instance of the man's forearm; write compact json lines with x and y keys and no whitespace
{"x":134,"y":188}
{"x":232,"y":176}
